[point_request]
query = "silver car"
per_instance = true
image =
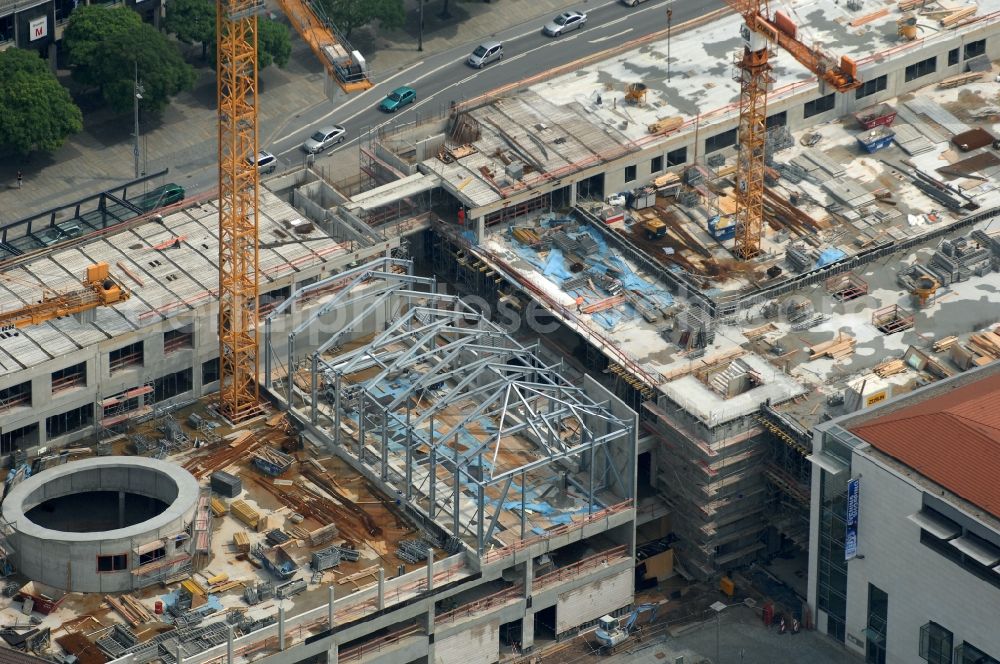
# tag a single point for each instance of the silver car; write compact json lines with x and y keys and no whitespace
{"x":485,"y":53}
{"x":565,"y":22}
{"x":266,"y":162}
{"x":324,"y":138}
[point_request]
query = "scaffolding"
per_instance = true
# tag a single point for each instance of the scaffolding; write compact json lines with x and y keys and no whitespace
{"x":472,"y":429}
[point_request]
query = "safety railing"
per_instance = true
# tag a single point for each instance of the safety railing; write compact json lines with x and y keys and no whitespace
{"x":378,"y":645}
{"x":485,"y":604}
{"x":604,"y":558}
{"x":520,"y":545}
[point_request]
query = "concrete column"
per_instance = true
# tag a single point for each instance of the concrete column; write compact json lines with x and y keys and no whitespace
{"x":330,"y":617}
{"x":333,"y":654}
{"x":229,"y":646}
{"x":53,"y":64}
{"x":480,"y":228}
{"x":572,"y":194}
{"x":121,"y":509}
{"x":281,"y":628}
{"x":180,"y":653}
{"x":528,"y":622}
{"x":381,"y":588}
{"x":430,"y":570}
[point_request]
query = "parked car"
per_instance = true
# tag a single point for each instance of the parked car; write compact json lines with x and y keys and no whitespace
{"x":565,"y":22}
{"x":167,"y":194}
{"x":397,"y":99}
{"x":55,"y":234}
{"x":323,"y":138}
{"x":485,"y":53}
{"x":632,"y":3}
{"x":266,"y":162}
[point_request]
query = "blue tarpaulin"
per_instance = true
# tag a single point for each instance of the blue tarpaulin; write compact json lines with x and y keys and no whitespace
{"x":831,"y":255}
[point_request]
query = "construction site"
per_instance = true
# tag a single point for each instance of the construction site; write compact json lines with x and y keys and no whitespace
{"x":556,"y":357}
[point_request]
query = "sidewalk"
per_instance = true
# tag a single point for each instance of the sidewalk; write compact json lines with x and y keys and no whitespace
{"x":184,"y":137}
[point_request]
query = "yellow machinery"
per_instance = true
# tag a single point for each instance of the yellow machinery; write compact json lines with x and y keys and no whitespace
{"x":239,"y":191}
{"x":635,"y":93}
{"x":654,"y":228}
{"x":753,"y":74}
{"x":923,"y":290}
{"x":100,"y":289}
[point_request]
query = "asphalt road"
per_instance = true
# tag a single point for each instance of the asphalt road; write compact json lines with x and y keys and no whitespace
{"x":445,"y":77}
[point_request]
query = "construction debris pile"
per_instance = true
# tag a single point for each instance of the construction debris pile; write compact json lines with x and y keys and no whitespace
{"x":602,"y":283}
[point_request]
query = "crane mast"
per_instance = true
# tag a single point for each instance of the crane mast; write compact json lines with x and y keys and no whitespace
{"x":753,"y":75}
{"x":753,"y":68}
{"x":239,"y":190}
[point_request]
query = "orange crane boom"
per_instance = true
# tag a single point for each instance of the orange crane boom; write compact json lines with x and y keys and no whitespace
{"x":100,"y":289}
{"x":753,"y":74}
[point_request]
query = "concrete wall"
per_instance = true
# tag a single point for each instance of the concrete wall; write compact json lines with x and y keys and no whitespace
{"x":922,"y":584}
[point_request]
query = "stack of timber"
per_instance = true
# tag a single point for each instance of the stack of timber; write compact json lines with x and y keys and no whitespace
{"x":890,"y":368}
{"x":323,"y":534}
{"x":241,"y":540}
{"x":944,"y":344}
{"x":986,"y":344}
{"x":242,"y":511}
{"x":835,"y":349}
{"x":130,"y":609}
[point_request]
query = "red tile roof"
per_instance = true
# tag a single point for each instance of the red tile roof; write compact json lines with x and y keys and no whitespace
{"x":952,"y":439}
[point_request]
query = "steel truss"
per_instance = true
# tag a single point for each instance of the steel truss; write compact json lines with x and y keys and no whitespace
{"x":465,"y":421}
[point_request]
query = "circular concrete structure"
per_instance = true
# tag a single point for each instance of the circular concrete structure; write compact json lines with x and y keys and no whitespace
{"x":89,"y":526}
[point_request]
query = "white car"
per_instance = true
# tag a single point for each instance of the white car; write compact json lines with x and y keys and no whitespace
{"x":324,"y":138}
{"x":565,"y":22}
{"x":266,"y":162}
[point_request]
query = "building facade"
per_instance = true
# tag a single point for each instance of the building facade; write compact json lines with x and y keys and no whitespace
{"x":905,"y":532}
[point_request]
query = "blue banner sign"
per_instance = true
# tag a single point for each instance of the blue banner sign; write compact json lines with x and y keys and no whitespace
{"x":853,"y":505}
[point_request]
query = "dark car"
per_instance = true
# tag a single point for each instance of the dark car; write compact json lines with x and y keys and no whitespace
{"x":164,"y":195}
{"x":397,"y":99}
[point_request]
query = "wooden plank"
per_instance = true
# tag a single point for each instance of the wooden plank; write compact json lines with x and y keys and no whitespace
{"x":868,"y":18}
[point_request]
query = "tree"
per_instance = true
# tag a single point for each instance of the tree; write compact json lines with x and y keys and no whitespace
{"x":347,"y":15}
{"x":273,"y":44}
{"x":105,"y":46}
{"x":192,"y":21}
{"x":36,"y":112}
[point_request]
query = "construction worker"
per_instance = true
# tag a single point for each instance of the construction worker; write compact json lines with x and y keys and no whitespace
{"x":461,"y":216}
{"x":579,"y":304}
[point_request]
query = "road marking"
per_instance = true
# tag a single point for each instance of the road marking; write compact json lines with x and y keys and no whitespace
{"x":601,"y":39}
{"x":340,"y":108}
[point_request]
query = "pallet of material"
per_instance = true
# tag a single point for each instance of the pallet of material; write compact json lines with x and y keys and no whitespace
{"x":241,"y":541}
{"x":130,"y":609}
{"x":323,"y":534}
{"x":835,"y":349}
{"x":193,"y":587}
{"x":890,"y":368}
{"x":218,"y":507}
{"x":987,"y":343}
{"x":242,"y":511}
{"x":960,"y":79}
{"x":956,"y":16}
{"x":944,"y":344}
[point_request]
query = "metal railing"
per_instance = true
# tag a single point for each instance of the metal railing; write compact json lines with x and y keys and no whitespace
{"x":390,"y":640}
{"x":605,"y":558}
{"x":520,"y":545}
{"x":489,"y":602}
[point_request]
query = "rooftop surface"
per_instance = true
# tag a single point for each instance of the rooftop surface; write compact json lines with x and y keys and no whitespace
{"x":953,"y":439}
{"x":576,"y":120}
{"x":166,"y":278}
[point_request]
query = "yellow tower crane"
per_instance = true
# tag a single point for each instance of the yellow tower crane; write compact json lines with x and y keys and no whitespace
{"x":239,"y":190}
{"x":753,"y":74}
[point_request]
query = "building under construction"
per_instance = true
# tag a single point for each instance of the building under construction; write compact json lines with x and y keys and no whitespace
{"x":468,"y":422}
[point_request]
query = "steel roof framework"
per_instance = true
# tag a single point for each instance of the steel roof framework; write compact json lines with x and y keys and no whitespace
{"x":440,"y":354}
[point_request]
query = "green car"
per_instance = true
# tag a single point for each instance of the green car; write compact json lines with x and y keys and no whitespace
{"x":397,"y":99}
{"x":162,"y":196}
